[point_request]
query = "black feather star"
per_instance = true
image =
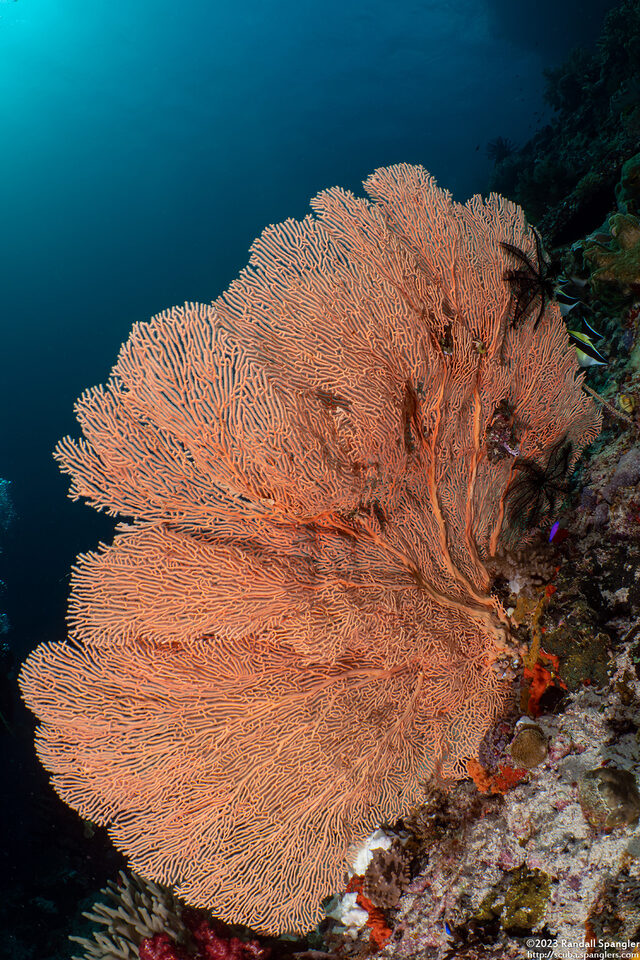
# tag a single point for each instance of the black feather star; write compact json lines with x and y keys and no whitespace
{"x":531,"y":285}
{"x":534,"y":493}
{"x":499,"y":149}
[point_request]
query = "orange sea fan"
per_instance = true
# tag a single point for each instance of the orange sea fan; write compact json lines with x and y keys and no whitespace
{"x":297,"y":627}
{"x":235,"y":767}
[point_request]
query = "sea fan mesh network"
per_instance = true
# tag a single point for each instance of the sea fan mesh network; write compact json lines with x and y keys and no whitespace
{"x":296,"y":628}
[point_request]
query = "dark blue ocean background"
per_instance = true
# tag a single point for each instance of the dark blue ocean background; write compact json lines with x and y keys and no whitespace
{"x":143,"y":146}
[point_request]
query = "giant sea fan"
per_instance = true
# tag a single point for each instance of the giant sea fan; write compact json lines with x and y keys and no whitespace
{"x":296,"y":628}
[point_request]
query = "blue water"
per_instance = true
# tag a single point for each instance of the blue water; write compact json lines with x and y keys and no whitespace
{"x":143,"y":147}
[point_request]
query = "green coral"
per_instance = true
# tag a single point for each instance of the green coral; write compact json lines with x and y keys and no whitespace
{"x":526,"y":899}
{"x":519,"y":901}
{"x":587,"y":186}
{"x":609,"y":798}
{"x":628,"y":189}
{"x":617,"y":262}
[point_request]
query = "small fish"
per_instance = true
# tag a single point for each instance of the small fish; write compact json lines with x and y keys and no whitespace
{"x":586,"y":326}
{"x":566,"y":304}
{"x":573,"y":285}
{"x":569,"y":294}
{"x":557,"y":534}
{"x":588,"y":354}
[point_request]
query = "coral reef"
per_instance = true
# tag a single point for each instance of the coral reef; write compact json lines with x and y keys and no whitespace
{"x":530,"y":863}
{"x":565,"y":176}
{"x":618,"y":261}
{"x":609,"y":798}
{"x":628,"y":188}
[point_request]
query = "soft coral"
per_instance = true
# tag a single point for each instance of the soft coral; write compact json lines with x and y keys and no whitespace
{"x":211,"y":941}
{"x":160,"y":947}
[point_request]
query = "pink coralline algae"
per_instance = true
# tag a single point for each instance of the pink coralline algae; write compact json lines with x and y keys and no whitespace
{"x":610,"y":500}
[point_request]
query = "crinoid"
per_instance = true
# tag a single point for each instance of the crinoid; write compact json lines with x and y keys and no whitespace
{"x":499,"y":149}
{"x":532,"y":285}
{"x":534,"y":493}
